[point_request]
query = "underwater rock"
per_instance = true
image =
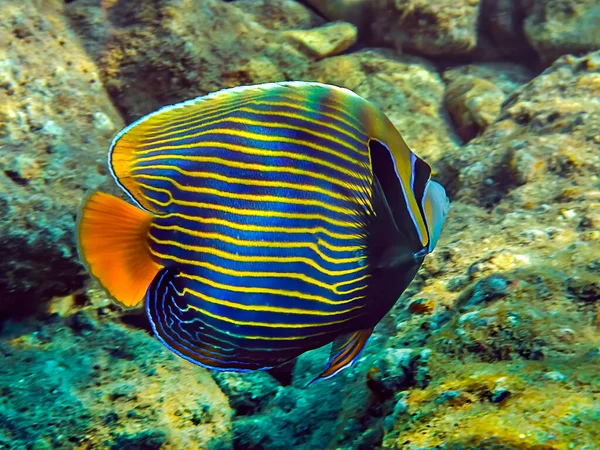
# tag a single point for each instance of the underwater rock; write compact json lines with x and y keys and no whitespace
{"x":505,"y":76}
{"x":248,"y":393}
{"x":331,"y":413}
{"x":514,"y":279}
{"x":407,"y":89}
{"x":143,"y":74}
{"x":547,"y":131}
{"x":482,"y":411}
{"x":475,"y":94}
{"x":443,"y":27}
{"x":328,"y":40}
{"x":400,"y":369}
{"x":55,"y":120}
{"x":474,"y":104}
{"x":485,"y":290}
{"x":558,"y":27}
{"x":524,"y":347}
{"x":299,"y":416}
{"x":281,"y":14}
{"x":159,"y":53}
{"x":145,"y":440}
{"x":512,"y":29}
{"x":501,"y":21}
{"x":353,"y":11}
{"x":109,"y":387}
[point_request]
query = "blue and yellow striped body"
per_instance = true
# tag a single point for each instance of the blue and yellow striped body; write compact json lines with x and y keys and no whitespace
{"x":260,"y":206}
{"x":264,"y":213}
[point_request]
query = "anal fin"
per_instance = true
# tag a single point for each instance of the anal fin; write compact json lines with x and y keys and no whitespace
{"x":344,"y":352}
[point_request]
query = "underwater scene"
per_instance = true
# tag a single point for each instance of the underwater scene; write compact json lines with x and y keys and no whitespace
{"x":312,"y":225}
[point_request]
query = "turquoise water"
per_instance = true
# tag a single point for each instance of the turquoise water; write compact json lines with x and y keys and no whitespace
{"x":495,"y":342}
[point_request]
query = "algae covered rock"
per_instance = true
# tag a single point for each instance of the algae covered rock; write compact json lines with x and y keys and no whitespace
{"x":328,"y":40}
{"x":475,"y":94}
{"x":505,"y":76}
{"x":56,"y":122}
{"x":547,"y":130}
{"x":269,"y":415}
{"x":484,"y":410}
{"x":559,"y":27}
{"x":344,"y":412}
{"x":76,"y":382}
{"x":281,"y":14}
{"x":514,"y":329}
{"x":444,"y":27}
{"x":159,"y":53}
{"x":474,"y":104}
{"x":429,"y":28}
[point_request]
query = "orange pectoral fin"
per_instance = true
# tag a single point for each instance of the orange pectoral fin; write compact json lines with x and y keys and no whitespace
{"x":113,"y":242}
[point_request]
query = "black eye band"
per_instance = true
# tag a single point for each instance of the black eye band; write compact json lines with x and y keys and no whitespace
{"x":421,"y":176}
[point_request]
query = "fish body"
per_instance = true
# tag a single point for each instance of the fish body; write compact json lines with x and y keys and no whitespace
{"x":269,"y":220}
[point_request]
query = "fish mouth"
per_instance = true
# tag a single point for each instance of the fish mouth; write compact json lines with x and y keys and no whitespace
{"x":420,"y":255}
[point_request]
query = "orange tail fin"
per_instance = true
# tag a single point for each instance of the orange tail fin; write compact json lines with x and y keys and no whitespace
{"x":113,"y":242}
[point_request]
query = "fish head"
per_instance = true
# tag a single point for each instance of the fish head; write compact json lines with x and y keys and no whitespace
{"x":411,"y":205}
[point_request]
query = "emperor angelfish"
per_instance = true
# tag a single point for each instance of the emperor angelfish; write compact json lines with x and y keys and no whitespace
{"x":269,"y":220}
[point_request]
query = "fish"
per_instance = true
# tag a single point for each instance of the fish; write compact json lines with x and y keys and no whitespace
{"x":264,"y":221}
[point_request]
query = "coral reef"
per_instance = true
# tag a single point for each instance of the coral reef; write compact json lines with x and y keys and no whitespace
{"x":495,"y":343}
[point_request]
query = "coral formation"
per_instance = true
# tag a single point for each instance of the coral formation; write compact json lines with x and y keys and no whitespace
{"x":495,"y":343}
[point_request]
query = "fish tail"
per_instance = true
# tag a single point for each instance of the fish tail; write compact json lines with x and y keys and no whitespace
{"x":113,"y":243}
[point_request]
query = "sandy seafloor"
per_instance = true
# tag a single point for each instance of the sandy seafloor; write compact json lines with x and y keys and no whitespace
{"x":496,"y":343}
